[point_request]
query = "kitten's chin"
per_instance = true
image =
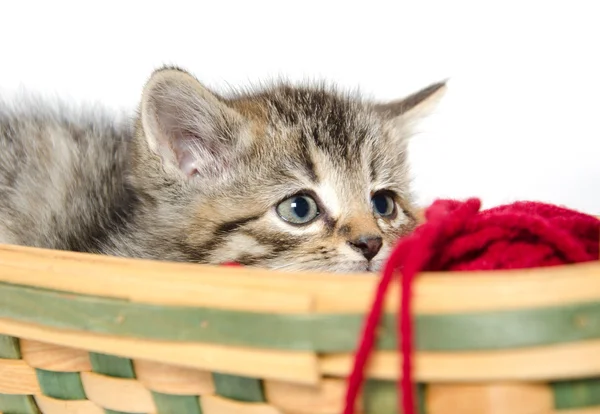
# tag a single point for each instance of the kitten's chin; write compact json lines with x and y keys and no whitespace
{"x":362,"y":267}
{"x":375,"y":267}
{"x":347,"y":267}
{"x":313,"y":266}
{"x":357,"y":268}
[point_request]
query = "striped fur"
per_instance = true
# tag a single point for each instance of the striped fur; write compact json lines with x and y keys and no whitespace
{"x":197,"y":176}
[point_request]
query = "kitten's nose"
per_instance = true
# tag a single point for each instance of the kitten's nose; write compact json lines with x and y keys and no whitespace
{"x":369,"y":246}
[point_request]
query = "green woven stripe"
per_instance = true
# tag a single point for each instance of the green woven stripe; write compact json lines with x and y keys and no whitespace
{"x":320,"y":333}
{"x":381,"y":397}
{"x":421,"y":398}
{"x":111,"y":365}
{"x":61,"y":385}
{"x":176,"y":404}
{"x":9,"y":347}
{"x":239,"y":388}
{"x":576,"y":394}
{"x":18,"y":404}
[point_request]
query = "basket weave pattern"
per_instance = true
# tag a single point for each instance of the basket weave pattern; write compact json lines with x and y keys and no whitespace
{"x":38,"y":377}
{"x":58,"y":379}
{"x":84,"y":335}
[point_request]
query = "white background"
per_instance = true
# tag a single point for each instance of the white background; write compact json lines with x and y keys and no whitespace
{"x":520,"y":120}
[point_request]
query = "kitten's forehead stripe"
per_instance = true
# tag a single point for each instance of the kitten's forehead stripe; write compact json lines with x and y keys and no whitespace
{"x":373,"y":169}
{"x":332,"y":123}
{"x":308,"y":164}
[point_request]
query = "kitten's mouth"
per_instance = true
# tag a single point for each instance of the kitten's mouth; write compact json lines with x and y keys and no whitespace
{"x":375,"y":266}
{"x":340,"y":267}
{"x":366,"y":267}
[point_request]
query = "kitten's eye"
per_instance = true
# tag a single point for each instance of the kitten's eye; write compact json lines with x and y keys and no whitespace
{"x":298,"y":209}
{"x":383,"y":205}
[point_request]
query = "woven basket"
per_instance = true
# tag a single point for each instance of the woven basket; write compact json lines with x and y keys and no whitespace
{"x":88,"y":334}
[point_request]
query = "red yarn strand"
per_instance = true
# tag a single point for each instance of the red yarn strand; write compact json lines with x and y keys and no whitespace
{"x":405,"y":327}
{"x":457,"y":236}
{"x":366,"y":344}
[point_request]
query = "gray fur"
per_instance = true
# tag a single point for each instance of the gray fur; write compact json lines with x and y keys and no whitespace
{"x":196,"y":176}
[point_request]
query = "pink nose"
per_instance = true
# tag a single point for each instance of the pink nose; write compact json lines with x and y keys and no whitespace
{"x":369,"y":246}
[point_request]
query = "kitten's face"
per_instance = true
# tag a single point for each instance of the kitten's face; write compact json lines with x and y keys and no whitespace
{"x":290,"y":178}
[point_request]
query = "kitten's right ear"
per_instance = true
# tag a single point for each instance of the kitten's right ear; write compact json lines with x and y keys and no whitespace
{"x":407,"y":111}
{"x":192,"y":130}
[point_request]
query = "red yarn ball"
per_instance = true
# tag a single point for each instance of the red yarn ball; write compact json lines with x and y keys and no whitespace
{"x":514,"y":236}
{"x":457,"y":236}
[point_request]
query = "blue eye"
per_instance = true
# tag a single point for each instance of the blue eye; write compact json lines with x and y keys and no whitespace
{"x":383,"y":205}
{"x":298,"y":209}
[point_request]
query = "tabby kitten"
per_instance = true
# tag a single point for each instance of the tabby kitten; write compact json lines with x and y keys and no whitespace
{"x":299,"y":178}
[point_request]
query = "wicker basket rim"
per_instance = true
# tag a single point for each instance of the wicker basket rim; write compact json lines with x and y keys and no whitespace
{"x":280,"y":292}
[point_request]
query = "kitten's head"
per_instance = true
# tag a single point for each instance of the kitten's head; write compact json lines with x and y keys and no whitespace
{"x":301,"y":178}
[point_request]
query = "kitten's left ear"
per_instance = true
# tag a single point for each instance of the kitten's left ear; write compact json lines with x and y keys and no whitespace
{"x":411,"y":109}
{"x":191,"y":129}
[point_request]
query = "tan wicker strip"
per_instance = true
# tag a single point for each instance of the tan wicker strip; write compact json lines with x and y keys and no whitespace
{"x":119,"y":394}
{"x":169,"y":379}
{"x":513,"y":398}
{"x":217,"y":405}
{"x":325,"y":398}
{"x":54,"y":357}
{"x":49,"y":405}
{"x":16,"y":377}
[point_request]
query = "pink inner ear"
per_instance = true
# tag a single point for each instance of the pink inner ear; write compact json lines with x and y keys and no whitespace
{"x":180,"y":144}
{"x":187,"y":164}
{"x":191,"y":144}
